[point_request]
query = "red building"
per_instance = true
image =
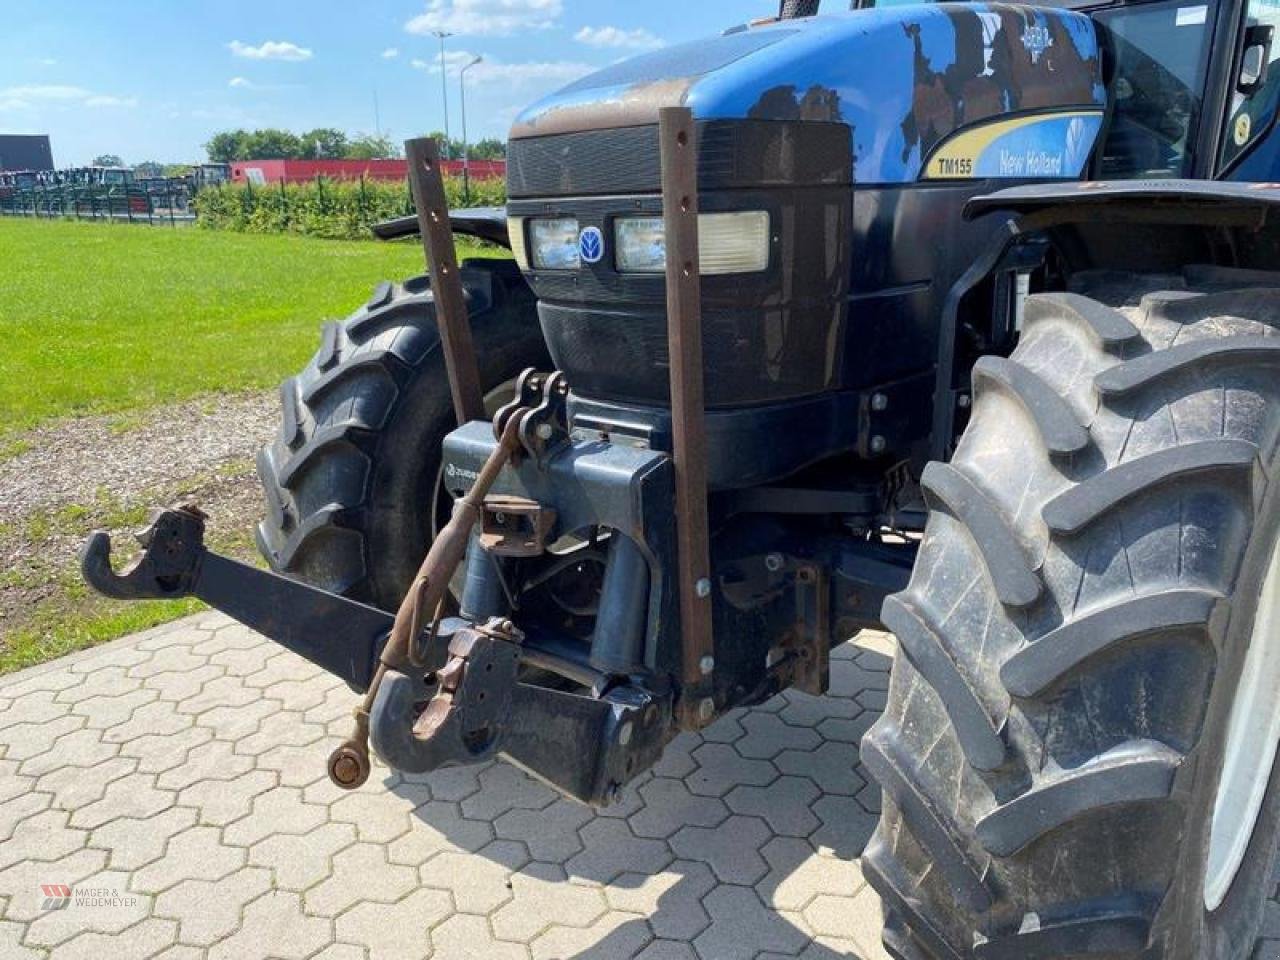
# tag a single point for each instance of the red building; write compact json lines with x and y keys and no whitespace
{"x":298,"y":171}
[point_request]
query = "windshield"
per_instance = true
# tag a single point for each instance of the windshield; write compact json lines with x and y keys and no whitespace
{"x":1160,"y":54}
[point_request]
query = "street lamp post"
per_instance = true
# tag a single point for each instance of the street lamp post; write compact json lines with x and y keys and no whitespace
{"x":444,"y":88}
{"x":466,"y":144}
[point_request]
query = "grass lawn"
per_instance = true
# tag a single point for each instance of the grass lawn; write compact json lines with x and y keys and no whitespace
{"x":117,"y":319}
{"x":110,"y":317}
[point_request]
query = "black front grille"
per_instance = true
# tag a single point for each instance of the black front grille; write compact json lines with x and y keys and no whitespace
{"x":731,"y":155}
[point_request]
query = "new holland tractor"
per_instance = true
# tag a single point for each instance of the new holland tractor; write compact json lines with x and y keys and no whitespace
{"x":957,"y":320}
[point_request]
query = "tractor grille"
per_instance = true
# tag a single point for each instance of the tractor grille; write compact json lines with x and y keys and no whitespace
{"x":731,"y":154}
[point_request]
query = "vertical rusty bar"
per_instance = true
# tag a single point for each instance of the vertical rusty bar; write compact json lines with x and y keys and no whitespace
{"x":678,"y":150}
{"x":446,"y":282}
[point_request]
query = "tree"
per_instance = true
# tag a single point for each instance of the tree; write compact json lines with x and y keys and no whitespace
{"x":108,"y":160}
{"x":371,"y":147}
{"x":149,"y":168}
{"x":227,"y":146}
{"x":324,"y":143}
{"x":272,"y":144}
{"x":490,"y":149}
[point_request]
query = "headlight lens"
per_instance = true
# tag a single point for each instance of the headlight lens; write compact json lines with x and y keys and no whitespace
{"x":642,"y":245}
{"x":555,"y":244}
{"x":727,"y":243}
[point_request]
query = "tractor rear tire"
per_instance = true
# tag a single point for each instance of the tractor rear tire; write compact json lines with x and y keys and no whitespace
{"x":352,"y":483}
{"x":1075,"y":634}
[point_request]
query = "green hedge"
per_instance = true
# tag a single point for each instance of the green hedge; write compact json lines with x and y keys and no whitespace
{"x":335,"y":209}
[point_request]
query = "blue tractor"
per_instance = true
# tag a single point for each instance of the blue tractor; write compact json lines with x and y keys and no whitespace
{"x":958,"y":320}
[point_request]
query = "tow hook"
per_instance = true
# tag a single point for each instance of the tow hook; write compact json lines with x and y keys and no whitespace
{"x":466,"y":719}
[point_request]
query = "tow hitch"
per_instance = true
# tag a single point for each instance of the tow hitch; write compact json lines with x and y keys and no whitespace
{"x":438,"y":691}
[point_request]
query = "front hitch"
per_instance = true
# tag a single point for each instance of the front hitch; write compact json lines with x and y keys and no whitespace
{"x":339,"y":635}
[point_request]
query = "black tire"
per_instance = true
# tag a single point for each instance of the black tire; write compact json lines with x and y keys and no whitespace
{"x":351,"y":483}
{"x":1074,"y":633}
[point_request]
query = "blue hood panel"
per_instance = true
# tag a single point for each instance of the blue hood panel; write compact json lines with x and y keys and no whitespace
{"x":903,"y":79}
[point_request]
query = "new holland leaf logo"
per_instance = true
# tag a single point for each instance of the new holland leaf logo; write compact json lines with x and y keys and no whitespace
{"x":57,"y":896}
{"x":591,"y":245}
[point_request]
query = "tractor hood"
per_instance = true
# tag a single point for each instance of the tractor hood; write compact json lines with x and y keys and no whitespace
{"x":1018,"y":89}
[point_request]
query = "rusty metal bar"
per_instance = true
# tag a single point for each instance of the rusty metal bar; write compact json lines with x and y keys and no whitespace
{"x":452,"y":319}
{"x":678,"y":150}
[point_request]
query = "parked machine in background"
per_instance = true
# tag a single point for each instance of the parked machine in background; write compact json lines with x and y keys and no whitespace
{"x":957,"y":319}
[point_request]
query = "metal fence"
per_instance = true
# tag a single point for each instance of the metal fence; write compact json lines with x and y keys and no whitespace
{"x":162,"y":204}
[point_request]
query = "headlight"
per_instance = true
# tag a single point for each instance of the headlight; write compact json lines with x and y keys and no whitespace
{"x":727,"y":243}
{"x":519,"y":250}
{"x":555,"y":244}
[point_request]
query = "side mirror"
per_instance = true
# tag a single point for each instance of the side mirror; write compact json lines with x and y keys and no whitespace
{"x":1256,"y":62}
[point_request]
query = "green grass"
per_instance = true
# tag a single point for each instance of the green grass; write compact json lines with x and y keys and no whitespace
{"x":98,"y":318}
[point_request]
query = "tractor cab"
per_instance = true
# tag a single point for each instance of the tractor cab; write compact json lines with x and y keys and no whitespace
{"x":1193,"y":88}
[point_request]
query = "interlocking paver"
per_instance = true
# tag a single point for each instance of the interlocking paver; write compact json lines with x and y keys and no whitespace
{"x":610,"y":848}
{"x":135,"y":843}
{"x":670,"y":899}
{"x":396,"y":931}
{"x":784,"y":805}
{"x":299,"y":862}
{"x":360,"y":873}
{"x":103,"y":903}
{"x":208,"y":911}
{"x":45,"y":836}
{"x":185,"y":768}
{"x":274,"y":926}
{"x":543,"y":899}
{"x":136,"y":943}
{"x":611,"y":936}
{"x":731,"y":849}
{"x":466,"y":937}
{"x":197,"y":853}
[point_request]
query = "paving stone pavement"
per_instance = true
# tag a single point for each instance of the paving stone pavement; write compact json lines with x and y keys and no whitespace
{"x":175,"y":781}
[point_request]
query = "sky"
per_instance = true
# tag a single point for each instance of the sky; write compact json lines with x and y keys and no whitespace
{"x":154,"y":79}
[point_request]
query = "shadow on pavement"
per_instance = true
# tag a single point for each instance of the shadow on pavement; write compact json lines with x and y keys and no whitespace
{"x":741,"y":844}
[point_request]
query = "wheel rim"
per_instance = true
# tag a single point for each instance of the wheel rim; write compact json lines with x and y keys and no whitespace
{"x":1250,"y":753}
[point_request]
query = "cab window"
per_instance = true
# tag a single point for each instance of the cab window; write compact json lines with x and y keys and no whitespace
{"x":1256,"y":98}
{"x":1159,"y":55}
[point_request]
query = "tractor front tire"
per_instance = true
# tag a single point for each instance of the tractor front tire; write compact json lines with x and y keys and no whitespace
{"x":1096,"y":593}
{"x":352,"y":483}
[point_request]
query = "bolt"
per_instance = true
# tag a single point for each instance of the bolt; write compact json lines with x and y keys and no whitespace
{"x":773,"y":562}
{"x":877,"y":444}
{"x":346,"y":769}
{"x":964,"y":401}
{"x":879,"y":402}
{"x":702,"y":588}
{"x":707,"y":710}
{"x":707,"y":665}
{"x":544,"y":431}
{"x":508,"y":626}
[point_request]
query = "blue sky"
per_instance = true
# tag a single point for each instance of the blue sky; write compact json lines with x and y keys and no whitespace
{"x":152,"y":79}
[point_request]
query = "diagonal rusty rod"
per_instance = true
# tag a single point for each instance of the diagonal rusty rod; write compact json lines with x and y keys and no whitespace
{"x":427,"y":182}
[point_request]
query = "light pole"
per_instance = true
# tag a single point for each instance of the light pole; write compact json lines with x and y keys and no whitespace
{"x":444,"y":88}
{"x":466,"y":144}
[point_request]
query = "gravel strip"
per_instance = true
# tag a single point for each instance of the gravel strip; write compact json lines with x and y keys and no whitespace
{"x":69,"y":461}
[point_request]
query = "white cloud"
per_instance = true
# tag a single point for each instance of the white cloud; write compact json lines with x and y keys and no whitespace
{"x":270,"y":50}
{"x":492,"y":18}
{"x":46,"y":61}
{"x":127,"y":103}
{"x":491,"y":71}
{"x":390,"y":53}
{"x":240,"y":83}
{"x":618,"y":38}
{"x":31,"y":96}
